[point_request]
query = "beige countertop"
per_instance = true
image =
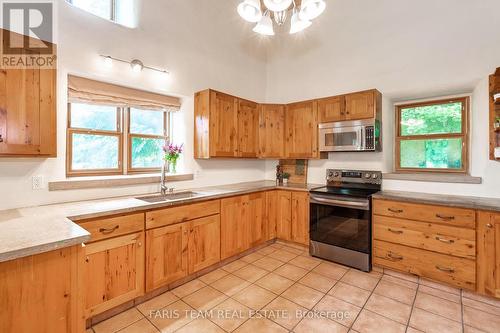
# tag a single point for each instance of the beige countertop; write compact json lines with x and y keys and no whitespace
{"x":479,"y":203}
{"x":33,"y":230}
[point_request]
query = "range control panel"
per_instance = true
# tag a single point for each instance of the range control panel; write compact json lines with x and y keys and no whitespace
{"x":353,"y":176}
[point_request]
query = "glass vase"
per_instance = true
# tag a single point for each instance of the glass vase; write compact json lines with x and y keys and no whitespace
{"x":173,"y":166}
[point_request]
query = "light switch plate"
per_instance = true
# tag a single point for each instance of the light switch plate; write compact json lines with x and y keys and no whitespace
{"x":37,"y":182}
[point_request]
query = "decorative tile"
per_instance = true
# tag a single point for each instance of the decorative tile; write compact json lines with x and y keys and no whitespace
{"x":389,"y":308}
{"x":305,"y":262}
{"x":188,"y":288}
{"x":157,"y":303}
{"x":213,"y":276}
{"x":205,"y":298}
{"x":250,"y":273}
{"x":255,"y":325}
{"x":230,"y":284}
{"x":370,"y":322}
{"x":319,"y":282}
{"x":200,"y":325}
{"x":230,"y":314}
{"x":267,"y":263}
{"x":360,"y":279}
{"x":254,"y":297}
{"x":234,"y":266}
{"x":172,"y":317}
{"x":350,"y":294}
{"x":345,"y":312}
{"x":284,"y":312}
{"x":275,"y":283}
{"x":431,"y":323}
{"x":395,"y":291}
{"x":481,"y":320}
{"x":439,"y":306}
{"x":302,"y":295}
{"x":319,"y":325}
{"x":119,"y":321}
{"x":291,"y":272}
{"x":331,"y":271}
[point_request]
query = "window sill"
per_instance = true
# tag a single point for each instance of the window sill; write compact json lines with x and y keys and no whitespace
{"x":434,"y":178}
{"x":114,"y":181}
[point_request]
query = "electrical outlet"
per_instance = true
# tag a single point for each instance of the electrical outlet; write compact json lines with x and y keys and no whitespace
{"x":37,"y":182}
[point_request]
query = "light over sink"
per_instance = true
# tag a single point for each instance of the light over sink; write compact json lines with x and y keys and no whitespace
{"x":171,"y":196}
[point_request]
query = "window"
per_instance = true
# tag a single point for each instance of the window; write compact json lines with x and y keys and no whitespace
{"x":97,"y":139}
{"x":119,"y":11}
{"x":433,"y":136}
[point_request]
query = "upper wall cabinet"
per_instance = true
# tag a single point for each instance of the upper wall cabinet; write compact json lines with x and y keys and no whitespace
{"x":301,"y":121}
{"x":272,"y":131}
{"x":355,"y":106}
{"x":27,"y":111}
{"x":225,"y":126}
{"x":331,"y":109}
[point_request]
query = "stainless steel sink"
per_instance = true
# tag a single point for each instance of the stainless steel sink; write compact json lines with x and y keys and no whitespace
{"x":171,"y":196}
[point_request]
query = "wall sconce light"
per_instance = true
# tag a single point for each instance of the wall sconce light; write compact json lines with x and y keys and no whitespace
{"x":135,"y":64}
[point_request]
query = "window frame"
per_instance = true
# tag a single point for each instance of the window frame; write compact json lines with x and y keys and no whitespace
{"x":464,"y":135}
{"x":112,"y":14}
{"x":124,"y":144}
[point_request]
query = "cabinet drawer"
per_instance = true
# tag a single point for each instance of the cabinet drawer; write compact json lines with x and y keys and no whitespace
{"x":459,"y":242}
{"x":458,"y":217}
{"x":114,"y":226}
{"x":456,"y":271}
{"x":179,"y":214}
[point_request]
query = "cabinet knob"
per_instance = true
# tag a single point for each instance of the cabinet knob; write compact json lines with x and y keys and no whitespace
{"x":87,"y":259}
{"x":489,"y":225}
{"x":1,"y":139}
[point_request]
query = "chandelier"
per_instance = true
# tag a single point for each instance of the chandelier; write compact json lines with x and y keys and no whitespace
{"x":303,"y":11}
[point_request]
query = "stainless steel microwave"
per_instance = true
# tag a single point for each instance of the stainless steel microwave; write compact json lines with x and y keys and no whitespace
{"x":356,"y":135}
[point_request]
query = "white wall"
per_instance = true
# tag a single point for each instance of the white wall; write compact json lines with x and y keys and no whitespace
{"x":201,"y":46}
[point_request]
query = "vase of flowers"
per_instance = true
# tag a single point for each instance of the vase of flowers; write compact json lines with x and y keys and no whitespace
{"x":172,"y":154}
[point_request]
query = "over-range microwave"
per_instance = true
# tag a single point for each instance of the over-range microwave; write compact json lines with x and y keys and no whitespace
{"x":355,"y":135}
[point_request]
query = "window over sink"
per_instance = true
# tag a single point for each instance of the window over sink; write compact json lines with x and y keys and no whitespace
{"x":432,"y":136}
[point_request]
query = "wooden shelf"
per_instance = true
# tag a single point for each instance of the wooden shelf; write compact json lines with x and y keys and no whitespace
{"x":494,"y":113}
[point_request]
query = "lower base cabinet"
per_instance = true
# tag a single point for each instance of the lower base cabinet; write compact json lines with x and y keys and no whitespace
{"x":178,"y":250}
{"x":113,"y":272}
{"x":488,"y":253}
{"x":300,"y":218}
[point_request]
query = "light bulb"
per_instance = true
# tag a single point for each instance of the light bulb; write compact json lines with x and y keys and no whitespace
{"x":298,"y":24}
{"x":278,"y":5}
{"x":249,"y":10}
{"x":108,"y":61}
{"x":265,"y":26}
{"x":136,"y":65}
{"x":310,"y":9}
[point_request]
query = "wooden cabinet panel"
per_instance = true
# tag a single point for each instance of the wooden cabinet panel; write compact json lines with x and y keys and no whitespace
{"x":283,"y":215}
{"x":459,"y":272}
{"x":331,"y":109}
{"x":301,"y":130}
{"x":113,"y":272}
{"x":248,"y":128}
{"x":256,"y":218}
{"x":223,"y":125}
{"x":203,"y":243}
{"x":300,"y":217}
{"x":271,"y":214}
{"x":459,"y":242}
{"x":233,"y":226}
{"x":360,"y":105}
{"x":488,"y":253}
{"x":179,"y":214}
{"x":166,"y":255}
{"x":458,"y":217}
{"x":40,"y":293}
{"x":272,"y":131}
{"x":113,"y":226}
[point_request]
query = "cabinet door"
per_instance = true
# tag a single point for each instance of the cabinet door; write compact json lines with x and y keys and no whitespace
{"x":113,"y":272}
{"x":488,"y":253}
{"x":360,"y":105}
{"x":272,"y":205}
{"x":203,"y":243}
{"x":223,"y":125}
{"x":272,"y":131}
{"x":256,"y":218}
{"x":283,"y":215}
{"x":302,"y":130}
{"x":331,"y":109}
{"x":300,"y":217}
{"x":248,"y":125}
{"x":166,"y":255}
{"x":233,"y":226}
{"x":27,"y":112}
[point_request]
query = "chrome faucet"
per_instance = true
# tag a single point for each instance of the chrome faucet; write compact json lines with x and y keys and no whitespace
{"x":164,"y":189}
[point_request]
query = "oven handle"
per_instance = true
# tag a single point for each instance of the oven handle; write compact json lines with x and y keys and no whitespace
{"x":340,"y":203}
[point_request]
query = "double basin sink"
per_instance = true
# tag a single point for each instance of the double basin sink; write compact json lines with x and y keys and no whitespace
{"x":171,"y":196}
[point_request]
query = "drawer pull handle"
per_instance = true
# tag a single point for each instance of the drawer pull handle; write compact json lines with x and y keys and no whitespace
{"x":445,"y":269}
{"x":109,"y":231}
{"x":397,"y":211}
{"x":399,"y":232}
{"x":394,"y":256}
{"x":444,"y":217}
{"x":444,"y":240}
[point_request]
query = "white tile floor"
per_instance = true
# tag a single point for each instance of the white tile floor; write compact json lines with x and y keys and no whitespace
{"x":282,"y":289}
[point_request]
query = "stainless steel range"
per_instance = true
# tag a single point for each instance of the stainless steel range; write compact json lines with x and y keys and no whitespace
{"x":340,"y":223}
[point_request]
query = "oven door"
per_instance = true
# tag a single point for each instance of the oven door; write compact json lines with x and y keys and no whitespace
{"x":341,"y":222}
{"x":341,"y":138}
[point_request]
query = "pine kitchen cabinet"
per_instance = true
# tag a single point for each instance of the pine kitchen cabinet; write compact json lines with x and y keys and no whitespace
{"x":301,"y":130}
{"x":300,"y":218}
{"x":271,"y":131}
{"x":488,"y":253}
{"x":248,"y":128}
{"x":362,"y":105}
{"x":27,"y":111}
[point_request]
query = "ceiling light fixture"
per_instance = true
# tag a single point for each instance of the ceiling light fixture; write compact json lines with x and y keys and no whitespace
{"x":135,"y":64}
{"x":303,"y":11}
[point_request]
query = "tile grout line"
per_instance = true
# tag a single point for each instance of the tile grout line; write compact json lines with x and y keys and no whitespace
{"x":413,"y":305}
